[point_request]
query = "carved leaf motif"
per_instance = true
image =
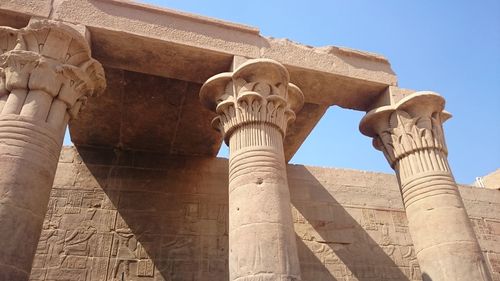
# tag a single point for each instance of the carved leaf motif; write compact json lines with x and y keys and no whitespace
{"x":8,"y":39}
{"x":18,"y":66}
{"x":256,"y":106}
{"x":241,"y":85}
{"x":417,"y":136}
{"x":258,"y":97}
{"x":231,"y":113}
{"x":240,"y":112}
{"x":262,"y":88}
{"x":243,"y":105}
{"x":271,"y":111}
{"x":427,"y":137}
{"x":407,"y":134}
{"x":217,"y":124}
{"x":76,"y":86}
{"x":437,"y":130}
{"x":386,"y":139}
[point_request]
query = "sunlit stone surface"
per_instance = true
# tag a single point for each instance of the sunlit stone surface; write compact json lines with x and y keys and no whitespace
{"x":142,"y":196}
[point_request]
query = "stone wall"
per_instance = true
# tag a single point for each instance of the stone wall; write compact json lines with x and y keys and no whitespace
{"x":117,"y":215}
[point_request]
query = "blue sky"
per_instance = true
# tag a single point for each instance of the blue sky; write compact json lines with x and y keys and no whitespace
{"x":450,"y":47}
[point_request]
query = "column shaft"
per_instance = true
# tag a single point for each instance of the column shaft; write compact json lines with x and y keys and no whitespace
{"x":411,"y":136}
{"x":29,"y":151}
{"x":254,"y":106}
{"x":44,"y":77}
{"x":261,"y":234}
{"x":442,"y":234}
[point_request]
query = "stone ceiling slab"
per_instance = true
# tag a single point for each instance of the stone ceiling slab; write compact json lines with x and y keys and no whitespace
{"x":145,"y":112}
{"x":152,"y":113}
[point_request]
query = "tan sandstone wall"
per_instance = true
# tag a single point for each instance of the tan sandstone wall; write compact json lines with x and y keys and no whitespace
{"x":117,"y":215}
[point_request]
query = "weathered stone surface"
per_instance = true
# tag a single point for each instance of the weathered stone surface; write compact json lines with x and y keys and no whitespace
{"x":136,"y":38}
{"x":410,"y":134}
{"x":126,"y":208}
{"x":491,"y":180}
{"x":39,"y":8}
{"x":254,"y":105}
{"x":46,"y":73}
{"x":216,"y":40}
{"x":349,"y":225}
{"x":149,"y":113}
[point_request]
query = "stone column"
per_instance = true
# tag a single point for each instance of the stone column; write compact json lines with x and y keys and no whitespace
{"x":46,"y":73}
{"x":410,"y":134}
{"x":255,"y":104}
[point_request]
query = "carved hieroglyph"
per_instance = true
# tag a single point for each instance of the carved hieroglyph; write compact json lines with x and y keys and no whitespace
{"x":254,"y":104}
{"x":46,"y":73}
{"x":411,"y":136}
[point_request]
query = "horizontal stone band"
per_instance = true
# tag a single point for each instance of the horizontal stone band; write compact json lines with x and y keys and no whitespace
{"x":429,"y":185}
{"x":255,"y":159}
{"x":30,"y":136}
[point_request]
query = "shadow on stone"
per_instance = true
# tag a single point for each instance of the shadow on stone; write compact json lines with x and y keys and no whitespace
{"x":171,"y":220}
{"x":426,"y":277}
{"x":344,"y":248}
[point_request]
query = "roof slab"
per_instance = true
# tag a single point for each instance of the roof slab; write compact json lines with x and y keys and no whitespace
{"x":157,"y":59}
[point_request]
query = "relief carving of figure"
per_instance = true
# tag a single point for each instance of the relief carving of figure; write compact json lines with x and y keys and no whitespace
{"x":76,"y":243}
{"x":413,"y":264}
{"x":125,"y":254}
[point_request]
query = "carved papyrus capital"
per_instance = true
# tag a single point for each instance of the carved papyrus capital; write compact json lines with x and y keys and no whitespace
{"x":410,"y":131}
{"x":410,"y":134}
{"x":48,"y":66}
{"x":256,"y":92}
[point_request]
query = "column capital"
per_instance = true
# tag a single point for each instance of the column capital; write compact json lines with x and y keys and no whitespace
{"x":410,"y":133}
{"x":49,"y":59}
{"x":258,"y":91}
{"x":413,"y":124}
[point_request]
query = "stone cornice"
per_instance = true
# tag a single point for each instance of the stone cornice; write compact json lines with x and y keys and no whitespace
{"x":258,"y":91}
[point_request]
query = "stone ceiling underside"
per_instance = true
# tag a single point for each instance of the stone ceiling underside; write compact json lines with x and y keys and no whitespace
{"x":152,"y":113}
{"x":156,"y":61}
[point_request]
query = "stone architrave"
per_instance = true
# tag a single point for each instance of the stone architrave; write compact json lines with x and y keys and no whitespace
{"x":410,"y":134}
{"x":255,"y":104}
{"x":46,"y":73}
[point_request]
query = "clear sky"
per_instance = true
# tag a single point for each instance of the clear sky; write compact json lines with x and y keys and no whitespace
{"x":450,"y":47}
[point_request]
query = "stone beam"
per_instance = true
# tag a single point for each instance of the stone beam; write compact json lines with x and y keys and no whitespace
{"x":27,"y":8}
{"x":161,"y":43}
{"x":176,"y":45}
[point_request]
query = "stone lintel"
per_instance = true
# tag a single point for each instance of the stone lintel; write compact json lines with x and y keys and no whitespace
{"x":26,"y":8}
{"x":174,"y":46}
{"x":119,"y":25}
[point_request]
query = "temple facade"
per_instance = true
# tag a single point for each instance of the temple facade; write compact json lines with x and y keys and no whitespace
{"x":149,"y":96}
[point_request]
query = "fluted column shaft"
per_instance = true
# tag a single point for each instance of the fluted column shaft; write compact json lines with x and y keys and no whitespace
{"x":410,"y":135}
{"x":254,"y":105}
{"x":45,"y":74}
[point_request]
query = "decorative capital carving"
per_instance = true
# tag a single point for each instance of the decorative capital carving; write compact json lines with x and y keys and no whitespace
{"x":411,"y":125}
{"x":51,"y":57}
{"x":258,"y":91}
